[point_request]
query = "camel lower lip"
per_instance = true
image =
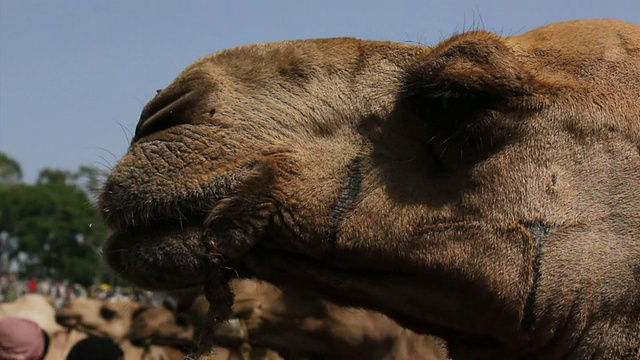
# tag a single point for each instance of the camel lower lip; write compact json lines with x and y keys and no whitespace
{"x":164,"y":256}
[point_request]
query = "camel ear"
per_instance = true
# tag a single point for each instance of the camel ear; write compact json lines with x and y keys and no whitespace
{"x":464,"y":77}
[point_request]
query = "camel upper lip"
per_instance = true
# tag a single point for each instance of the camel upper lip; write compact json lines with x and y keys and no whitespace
{"x":179,"y":220}
{"x":136,"y":216}
{"x":122,"y":211}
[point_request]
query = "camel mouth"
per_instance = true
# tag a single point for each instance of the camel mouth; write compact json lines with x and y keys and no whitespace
{"x":141,"y":215}
{"x":172,"y":240}
{"x":68,"y":322}
{"x":164,"y":248}
{"x":164,"y":254}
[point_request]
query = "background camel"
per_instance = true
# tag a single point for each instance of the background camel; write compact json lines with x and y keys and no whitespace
{"x":485,"y":190}
{"x":231,"y":337}
{"x":163,"y":326}
{"x":294,"y":323}
{"x":297,"y":322}
{"x":96,"y":317}
{"x":111,"y":319}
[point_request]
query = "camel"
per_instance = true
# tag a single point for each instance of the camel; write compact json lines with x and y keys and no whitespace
{"x":164,"y":326}
{"x":111,"y":319}
{"x":299,"y":324}
{"x":485,"y":190}
{"x":296,"y":324}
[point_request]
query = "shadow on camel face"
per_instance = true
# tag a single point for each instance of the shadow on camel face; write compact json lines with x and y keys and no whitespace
{"x":486,"y":190}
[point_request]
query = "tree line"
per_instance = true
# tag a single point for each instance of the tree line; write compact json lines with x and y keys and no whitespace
{"x":51,"y":229}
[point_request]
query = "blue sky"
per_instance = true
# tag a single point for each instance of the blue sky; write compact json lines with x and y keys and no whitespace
{"x":74,"y":75}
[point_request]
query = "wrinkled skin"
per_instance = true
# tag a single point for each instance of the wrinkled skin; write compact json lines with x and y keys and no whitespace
{"x":485,"y":190}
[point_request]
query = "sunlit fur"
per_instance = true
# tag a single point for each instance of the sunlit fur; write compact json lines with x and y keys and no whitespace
{"x":485,"y":190}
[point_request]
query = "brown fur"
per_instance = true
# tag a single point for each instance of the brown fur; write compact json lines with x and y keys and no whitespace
{"x":296,"y":322}
{"x":486,"y":190}
{"x":161,"y":325}
{"x":297,"y":325}
{"x":111,"y":319}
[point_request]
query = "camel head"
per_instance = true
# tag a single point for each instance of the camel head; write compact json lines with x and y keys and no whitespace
{"x":486,"y":189}
{"x":292,"y":321}
{"x":96,"y":317}
{"x":237,"y":146}
{"x":161,"y":326}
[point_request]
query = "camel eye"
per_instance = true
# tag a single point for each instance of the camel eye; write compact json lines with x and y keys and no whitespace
{"x":107,"y":314}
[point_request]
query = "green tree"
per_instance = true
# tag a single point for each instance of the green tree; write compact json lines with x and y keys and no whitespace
{"x":10,"y":170}
{"x":55,"y":224}
{"x":54,"y":176}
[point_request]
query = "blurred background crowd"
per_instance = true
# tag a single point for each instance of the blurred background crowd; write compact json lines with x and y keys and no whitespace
{"x":60,"y":292}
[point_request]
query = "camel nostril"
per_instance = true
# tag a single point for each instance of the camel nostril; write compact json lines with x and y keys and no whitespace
{"x":164,"y":111}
